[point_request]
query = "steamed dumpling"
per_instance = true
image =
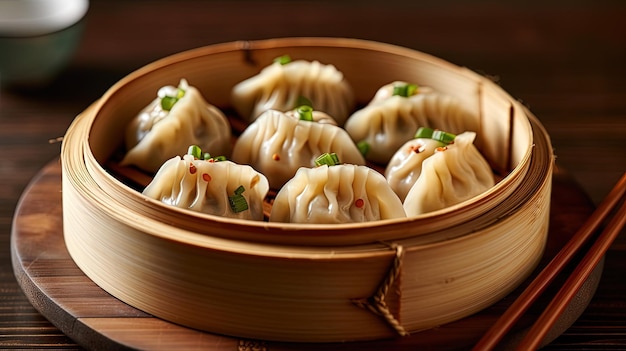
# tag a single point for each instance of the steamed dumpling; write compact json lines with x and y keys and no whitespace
{"x":280,"y":85}
{"x":389,"y":120}
{"x":277,"y":145}
{"x":451,"y":175}
{"x":209,"y":187}
{"x":405,"y":165}
{"x":342,"y":193}
{"x":177,"y":118}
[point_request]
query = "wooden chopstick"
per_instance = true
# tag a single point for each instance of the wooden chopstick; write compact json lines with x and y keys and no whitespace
{"x":542,"y":326}
{"x":495,"y":334}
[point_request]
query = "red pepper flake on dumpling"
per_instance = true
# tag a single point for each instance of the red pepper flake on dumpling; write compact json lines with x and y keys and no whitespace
{"x":417,"y":148}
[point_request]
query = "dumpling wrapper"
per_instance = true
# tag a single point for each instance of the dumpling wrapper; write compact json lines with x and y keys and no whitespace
{"x":389,"y":121}
{"x":277,"y":145}
{"x":156,"y":135}
{"x":342,"y":193}
{"x":205,"y":186}
{"x":450,"y":177}
{"x":405,"y":165}
{"x":279,"y":86}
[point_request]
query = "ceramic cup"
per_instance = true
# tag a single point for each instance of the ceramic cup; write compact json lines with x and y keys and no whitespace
{"x":37,"y":39}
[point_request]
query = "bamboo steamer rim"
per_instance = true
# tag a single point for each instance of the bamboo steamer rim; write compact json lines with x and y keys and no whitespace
{"x":305,"y":234}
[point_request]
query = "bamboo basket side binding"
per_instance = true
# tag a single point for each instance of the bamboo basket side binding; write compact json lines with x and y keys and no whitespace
{"x":307,"y":283}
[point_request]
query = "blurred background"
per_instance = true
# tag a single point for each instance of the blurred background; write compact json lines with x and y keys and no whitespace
{"x":565,"y":59}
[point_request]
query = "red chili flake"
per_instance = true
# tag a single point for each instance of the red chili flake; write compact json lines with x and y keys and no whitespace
{"x":192,"y":168}
{"x":416,"y":148}
{"x":441,"y":148}
{"x":206,"y":177}
{"x":276,"y":157}
{"x":359,"y":203}
{"x":211,"y":160}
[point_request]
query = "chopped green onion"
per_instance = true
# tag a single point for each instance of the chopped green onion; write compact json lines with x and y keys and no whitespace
{"x":180,"y":93}
{"x":435,"y":134}
{"x":305,"y":113}
{"x":443,"y":137}
{"x":424,"y":133}
{"x":303,"y":101}
{"x":405,"y":90}
{"x":219,"y":158}
{"x":330,"y":159}
{"x":167,"y":102}
{"x":238,"y":202}
{"x":283,"y":60}
{"x":195,"y":151}
{"x":240,"y":190}
{"x":363,"y":146}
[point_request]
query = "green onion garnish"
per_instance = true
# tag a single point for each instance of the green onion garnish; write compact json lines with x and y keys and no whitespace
{"x":195,"y":151}
{"x":283,"y":60}
{"x":180,"y":93}
{"x":219,"y":158}
{"x":443,"y":137}
{"x":167,"y":102}
{"x":405,"y":90}
{"x":305,"y":113}
{"x":435,"y":134}
{"x":424,"y":133}
{"x":329,"y":159}
{"x":238,"y":202}
{"x":240,"y":189}
{"x":363,"y":146}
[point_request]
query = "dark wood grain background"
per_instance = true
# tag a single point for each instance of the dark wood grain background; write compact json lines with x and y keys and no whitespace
{"x":566,"y":60}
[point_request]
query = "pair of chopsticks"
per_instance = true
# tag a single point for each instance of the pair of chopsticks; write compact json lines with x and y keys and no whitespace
{"x":546,"y":320}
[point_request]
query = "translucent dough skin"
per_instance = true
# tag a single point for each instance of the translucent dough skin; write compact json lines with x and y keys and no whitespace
{"x":389,"y":121}
{"x":449,"y":177}
{"x":191,"y":121}
{"x":205,"y":186}
{"x":336,"y":194}
{"x":405,"y":166}
{"x":278,"y":87}
{"x":277,"y":145}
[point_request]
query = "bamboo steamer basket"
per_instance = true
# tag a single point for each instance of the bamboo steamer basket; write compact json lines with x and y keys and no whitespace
{"x":306,"y":282}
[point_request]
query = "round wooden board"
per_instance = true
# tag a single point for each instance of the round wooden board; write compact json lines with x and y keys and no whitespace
{"x":96,"y":320}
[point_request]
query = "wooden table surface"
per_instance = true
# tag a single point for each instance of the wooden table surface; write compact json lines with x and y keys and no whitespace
{"x":565,"y":60}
